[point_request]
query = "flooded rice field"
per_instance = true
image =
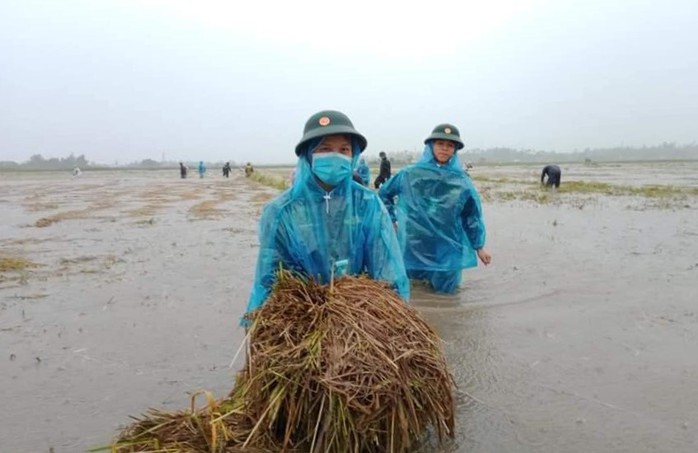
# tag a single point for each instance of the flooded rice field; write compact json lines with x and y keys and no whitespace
{"x":122,"y":290}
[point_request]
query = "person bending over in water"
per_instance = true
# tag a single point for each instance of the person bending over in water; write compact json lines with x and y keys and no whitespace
{"x":554,"y":175}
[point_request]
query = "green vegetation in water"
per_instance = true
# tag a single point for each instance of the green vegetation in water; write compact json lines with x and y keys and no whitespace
{"x":649,"y":191}
{"x":269,"y":180}
{"x":72,"y":215}
{"x":206,"y":210}
{"x":35,"y":207}
{"x":538,"y":196}
{"x":480,"y":178}
{"x":150,"y":221}
{"x":491,"y":190}
{"x":9,"y":263}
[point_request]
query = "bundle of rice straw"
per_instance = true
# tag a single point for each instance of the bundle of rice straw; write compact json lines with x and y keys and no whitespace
{"x":342,"y":368}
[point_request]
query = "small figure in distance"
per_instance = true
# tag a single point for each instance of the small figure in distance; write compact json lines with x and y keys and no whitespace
{"x":364,"y":172}
{"x":554,"y":175}
{"x":383,"y":172}
{"x":249,"y":169}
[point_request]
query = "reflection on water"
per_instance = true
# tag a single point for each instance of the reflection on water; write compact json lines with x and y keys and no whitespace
{"x":464,"y":325}
{"x":537,"y":369}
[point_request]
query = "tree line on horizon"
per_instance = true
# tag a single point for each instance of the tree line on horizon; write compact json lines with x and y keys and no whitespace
{"x":38,"y":162}
{"x":663,"y":151}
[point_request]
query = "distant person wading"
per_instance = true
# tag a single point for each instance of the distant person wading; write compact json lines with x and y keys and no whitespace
{"x":383,"y":172}
{"x":554,"y":175}
{"x":437,"y":215}
{"x":364,"y":172}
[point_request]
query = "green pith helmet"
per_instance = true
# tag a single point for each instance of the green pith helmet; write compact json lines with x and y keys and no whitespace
{"x":329,"y":122}
{"x":446,"y":132}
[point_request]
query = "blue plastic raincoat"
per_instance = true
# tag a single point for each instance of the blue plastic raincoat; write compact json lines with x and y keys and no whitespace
{"x":346,"y":231}
{"x":439,"y":218}
{"x":364,"y":172}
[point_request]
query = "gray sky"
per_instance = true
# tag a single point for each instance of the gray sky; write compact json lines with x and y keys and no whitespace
{"x":222,"y":80}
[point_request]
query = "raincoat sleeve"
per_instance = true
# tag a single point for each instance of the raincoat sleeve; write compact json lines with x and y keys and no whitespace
{"x":383,"y":258}
{"x":473,"y":225}
{"x":388,"y":191}
{"x":273,"y":252}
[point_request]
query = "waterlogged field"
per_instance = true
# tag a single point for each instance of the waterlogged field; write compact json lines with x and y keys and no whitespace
{"x":651,"y":184}
{"x":122,"y":290}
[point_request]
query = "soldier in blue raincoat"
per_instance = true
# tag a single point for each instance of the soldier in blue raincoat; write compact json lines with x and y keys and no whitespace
{"x":326,"y":225}
{"x":438,"y":214}
{"x":364,"y":172}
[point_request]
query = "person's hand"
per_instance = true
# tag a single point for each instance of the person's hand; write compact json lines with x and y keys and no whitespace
{"x":484,"y":256}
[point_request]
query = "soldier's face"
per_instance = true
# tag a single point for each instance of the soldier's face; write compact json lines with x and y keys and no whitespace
{"x":335,"y":143}
{"x":443,"y":150}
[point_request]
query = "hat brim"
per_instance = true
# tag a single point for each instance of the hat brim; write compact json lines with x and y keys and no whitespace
{"x":449,"y":137}
{"x":331,"y":130}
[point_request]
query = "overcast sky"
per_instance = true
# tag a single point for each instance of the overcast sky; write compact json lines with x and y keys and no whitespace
{"x":223,"y":80}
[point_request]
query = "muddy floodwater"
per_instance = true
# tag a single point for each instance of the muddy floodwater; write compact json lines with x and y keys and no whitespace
{"x":581,"y":336}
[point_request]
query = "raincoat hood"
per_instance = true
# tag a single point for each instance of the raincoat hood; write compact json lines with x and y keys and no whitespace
{"x":428,"y":160}
{"x":325,"y":234}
